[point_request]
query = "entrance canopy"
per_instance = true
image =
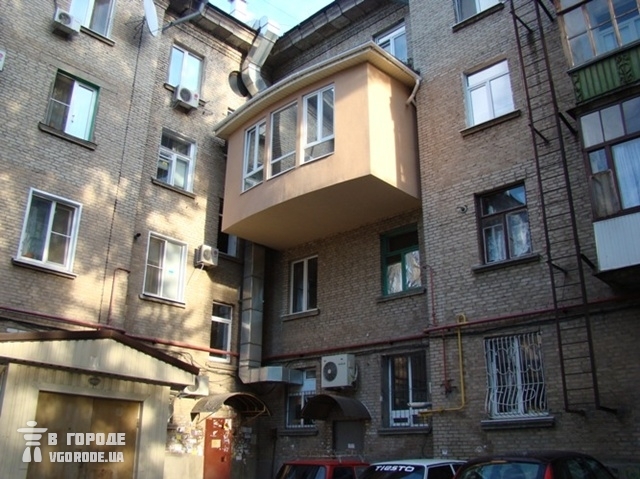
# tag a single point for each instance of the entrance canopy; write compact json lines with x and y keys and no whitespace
{"x":245,"y":403}
{"x":320,"y":406}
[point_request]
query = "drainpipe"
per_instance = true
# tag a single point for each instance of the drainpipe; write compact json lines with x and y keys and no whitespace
{"x":198,"y":13}
{"x":252,"y":64}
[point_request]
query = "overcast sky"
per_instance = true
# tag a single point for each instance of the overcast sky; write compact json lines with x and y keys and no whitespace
{"x":286,"y":13}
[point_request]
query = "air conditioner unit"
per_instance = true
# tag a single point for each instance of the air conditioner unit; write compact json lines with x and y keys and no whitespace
{"x":206,"y":256}
{"x":200,"y":388}
{"x":339,"y":371}
{"x":185,"y":98}
{"x":63,"y":22}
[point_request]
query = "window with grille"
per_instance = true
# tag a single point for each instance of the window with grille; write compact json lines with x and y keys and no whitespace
{"x":298,"y":397}
{"x":515,"y":376}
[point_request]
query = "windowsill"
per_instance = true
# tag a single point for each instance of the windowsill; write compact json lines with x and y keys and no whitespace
{"x":303,"y":431}
{"x":488,"y":124}
{"x":43,"y":268}
{"x":390,"y":431}
{"x":477,"y":17}
{"x":530,"y":258}
{"x":518,"y":423}
{"x":97,"y":36}
{"x":220,"y":364}
{"x":60,"y":134}
{"x":173,"y":188}
{"x":300,"y":315}
{"x":403,"y":294}
{"x":168,"y":302}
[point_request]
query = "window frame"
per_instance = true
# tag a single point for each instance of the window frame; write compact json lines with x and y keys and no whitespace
{"x":51,"y":117}
{"x":517,"y":390}
{"x":479,"y":9}
{"x":387,"y":253}
{"x":304,"y":391}
{"x":179,"y":297}
{"x":309,"y":286}
{"x":228,"y":324}
{"x":185,"y":79}
{"x":232,"y":242}
{"x":254,"y":166}
{"x":320,"y":138}
{"x":273,"y":160}
{"x":391,"y":36}
{"x":490,"y":101}
{"x":173,"y":157}
{"x":418,"y":396}
{"x":89,"y":8}
{"x":504,"y":214}
{"x":72,"y":233}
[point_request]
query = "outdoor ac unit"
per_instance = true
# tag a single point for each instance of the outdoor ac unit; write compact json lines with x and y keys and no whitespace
{"x":185,"y":98}
{"x":339,"y":371}
{"x":200,"y":388}
{"x":65,"y":23}
{"x":206,"y":256}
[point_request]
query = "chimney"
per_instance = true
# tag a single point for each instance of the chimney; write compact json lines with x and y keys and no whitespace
{"x":238,"y":10}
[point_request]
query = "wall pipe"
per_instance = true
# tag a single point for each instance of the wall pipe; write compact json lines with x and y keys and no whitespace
{"x":113,"y":287}
{"x":198,"y":13}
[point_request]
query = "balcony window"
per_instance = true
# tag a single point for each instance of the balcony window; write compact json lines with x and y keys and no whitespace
{"x":254,"y":152}
{"x":318,"y":124}
{"x":283,"y":139}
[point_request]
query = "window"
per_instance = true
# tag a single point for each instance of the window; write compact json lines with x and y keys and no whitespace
{"x":50,"y":231}
{"x":298,"y":397}
{"x":221,"y":317}
{"x":304,"y":285}
{"x":72,"y":107}
{"x":254,"y":152}
{"x":176,"y":161}
{"x":401,"y":268}
{"x":164,"y":276}
{"x":407,"y":389}
{"x":227,"y":244}
{"x":596,"y":27}
{"x":515,"y":376}
{"x":504,"y":224}
{"x":395,"y":42}
{"x":93,"y":14}
{"x":185,"y":69}
{"x":283,"y":139}
{"x":489,"y":93}
{"x":611,"y":138}
{"x":318,"y":124}
{"x":468,"y":8}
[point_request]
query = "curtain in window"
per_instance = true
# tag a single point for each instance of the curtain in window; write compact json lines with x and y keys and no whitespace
{"x":519,"y":236}
{"x":394,"y":277}
{"x":412,"y":266}
{"x":626,"y":157}
{"x":35,"y":236}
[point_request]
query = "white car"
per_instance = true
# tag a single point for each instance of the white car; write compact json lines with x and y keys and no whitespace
{"x":412,"y":469}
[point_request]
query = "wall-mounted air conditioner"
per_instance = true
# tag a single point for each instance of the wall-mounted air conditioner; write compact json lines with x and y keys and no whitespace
{"x":339,"y":371}
{"x":185,"y":98}
{"x":206,"y":256}
{"x":64,"y":23}
{"x":200,"y":388}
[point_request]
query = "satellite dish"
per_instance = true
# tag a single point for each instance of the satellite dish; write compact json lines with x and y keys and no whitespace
{"x":151,"y":16}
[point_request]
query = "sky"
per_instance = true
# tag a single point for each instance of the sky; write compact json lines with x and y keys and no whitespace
{"x":286,"y":13}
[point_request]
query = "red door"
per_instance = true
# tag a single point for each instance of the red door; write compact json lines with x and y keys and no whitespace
{"x":217,"y":448}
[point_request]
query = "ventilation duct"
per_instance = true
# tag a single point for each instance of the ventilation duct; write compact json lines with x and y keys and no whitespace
{"x":252,"y":65}
{"x":200,"y":6}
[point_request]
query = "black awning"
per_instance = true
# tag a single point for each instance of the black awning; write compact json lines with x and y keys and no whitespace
{"x":320,"y":406}
{"x":245,"y":403}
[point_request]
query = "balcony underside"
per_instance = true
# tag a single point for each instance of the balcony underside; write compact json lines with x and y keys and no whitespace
{"x":325,"y":212}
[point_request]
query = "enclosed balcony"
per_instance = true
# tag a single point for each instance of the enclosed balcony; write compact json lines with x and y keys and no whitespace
{"x":326,"y":150}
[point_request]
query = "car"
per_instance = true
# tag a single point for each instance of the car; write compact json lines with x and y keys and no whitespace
{"x":412,"y":469}
{"x":320,"y":468}
{"x":535,"y":465}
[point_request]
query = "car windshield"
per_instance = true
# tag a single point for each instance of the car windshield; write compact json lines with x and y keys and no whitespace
{"x":504,"y":470}
{"x":301,"y":471}
{"x":393,"y":471}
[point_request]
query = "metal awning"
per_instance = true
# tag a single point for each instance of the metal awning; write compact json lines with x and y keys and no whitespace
{"x":320,"y":406}
{"x":245,"y":403}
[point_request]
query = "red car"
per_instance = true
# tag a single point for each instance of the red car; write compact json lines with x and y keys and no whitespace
{"x":321,"y":469}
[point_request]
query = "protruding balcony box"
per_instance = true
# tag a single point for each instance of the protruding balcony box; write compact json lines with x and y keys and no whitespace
{"x":618,"y":246}
{"x":372,"y":173}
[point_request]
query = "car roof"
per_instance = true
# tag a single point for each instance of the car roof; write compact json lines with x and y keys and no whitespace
{"x":420,"y":462}
{"x":328,"y":462}
{"x":537,"y":456}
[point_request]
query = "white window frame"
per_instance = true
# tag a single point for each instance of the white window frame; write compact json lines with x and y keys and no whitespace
{"x":319,"y":137}
{"x":85,"y":11}
{"x":253,"y":164}
{"x":163,"y":272}
{"x":388,"y":41}
{"x":298,"y":396}
{"x":284,"y":160}
{"x":181,"y":72}
{"x":226,"y":323}
{"x":173,"y":158}
{"x":306,"y":286}
{"x":74,"y":114}
{"x":480,"y":86}
{"x":480,"y":6}
{"x":416,"y":402}
{"x":26,"y":255}
{"x":515,"y":376}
